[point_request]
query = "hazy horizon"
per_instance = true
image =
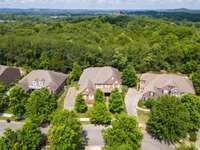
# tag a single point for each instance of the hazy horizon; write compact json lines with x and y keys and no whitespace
{"x":101,"y":4}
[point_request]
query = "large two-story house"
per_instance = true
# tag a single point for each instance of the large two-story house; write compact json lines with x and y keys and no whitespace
{"x":8,"y":74}
{"x":37,"y":79}
{"x":104,"y":78}
{"x":153,"y":85}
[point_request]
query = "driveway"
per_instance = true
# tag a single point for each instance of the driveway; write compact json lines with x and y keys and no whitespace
{"x":94,"y":137}
{"x":148,"y":143}
{"x":70,"y":98}
{"x":131,"y":100}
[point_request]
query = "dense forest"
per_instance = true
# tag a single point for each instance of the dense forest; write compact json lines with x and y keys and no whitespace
{"x":146,"y":43}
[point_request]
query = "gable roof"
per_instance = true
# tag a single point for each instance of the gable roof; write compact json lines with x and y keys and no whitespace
{"x":97,"y":75}
{"x":51,"y":79}
{"x":154,"y":81}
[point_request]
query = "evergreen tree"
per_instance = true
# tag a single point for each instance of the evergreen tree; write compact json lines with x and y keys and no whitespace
{"x":99,"y":96}
{"x":129,"y":76}
{"x":116,"y":102}
{"x":80,"y":105}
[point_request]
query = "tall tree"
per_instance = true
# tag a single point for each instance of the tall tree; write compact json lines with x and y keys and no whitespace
{"x":124,"y":134}
{"x":129,"y":76}
{"x":169,"y":119}
{"x":2,"y":97}
{"x":100,"y":115}
{"x":17,"y":100}
{"x":196,"y":82}
{"x":66,"y":132}
{"x":76,"y":72}
{"x":40,"y":105}
{"x":80,"y":105}
{"x":99,"y":96}
{"x":29,"y":137}
{"x":116,"y":102}
{"x":192,"y":103}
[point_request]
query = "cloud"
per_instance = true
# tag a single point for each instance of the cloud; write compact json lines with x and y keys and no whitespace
{"x":98,"y":4}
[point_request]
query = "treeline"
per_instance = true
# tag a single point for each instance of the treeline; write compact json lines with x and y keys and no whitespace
{"x":147,"y":44}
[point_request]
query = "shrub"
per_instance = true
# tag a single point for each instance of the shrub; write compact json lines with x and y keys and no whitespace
{"x":193,"y":136}
{"x":141,"y":103}
{"x":80,"y":105}
{"x":187,"y":147}
{"x":149,"y":103}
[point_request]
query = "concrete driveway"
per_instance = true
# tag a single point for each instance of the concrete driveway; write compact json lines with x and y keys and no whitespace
{"x":148,"y":143}
{"x":70,"y":98}
{"x":94,"y":137}
{"x":131,"y":100}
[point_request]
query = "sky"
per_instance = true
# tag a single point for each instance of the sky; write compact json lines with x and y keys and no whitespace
{"x":101,"y":4}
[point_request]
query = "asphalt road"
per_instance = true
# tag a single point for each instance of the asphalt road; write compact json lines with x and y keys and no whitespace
{"x":148,"y":143}
{"x":13,"y":125}
{"x":94,"y":135}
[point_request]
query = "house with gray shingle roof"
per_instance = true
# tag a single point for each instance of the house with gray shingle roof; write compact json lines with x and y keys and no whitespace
{"x":37,"y":79}
{"x":8,"y":74}
{"x":104,"y":78}
{"x":153,"y":85}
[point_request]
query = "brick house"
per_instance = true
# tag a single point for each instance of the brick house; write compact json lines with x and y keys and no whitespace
{"x":153,"y":85}
{"x":104,"y":78}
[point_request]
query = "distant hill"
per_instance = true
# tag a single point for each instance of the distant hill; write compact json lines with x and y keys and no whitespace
{"x":174,"y":14}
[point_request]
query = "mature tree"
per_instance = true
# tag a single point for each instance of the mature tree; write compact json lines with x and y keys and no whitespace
{"x":196,"y":82}
{"x":192,"y":103}
{"x":66,"y":132}
{"x":99,"y":114}
{"x":29,"y":137}
{"x":76,"y":72}
{"x":124,"y":134}
{"x":99,"y":96}
{"x":2,"y":97}
{"x":8,"y":140}
{"x":129,"y":76}
{"x":40,"y":105}
{"x":17,"y":100}
{"x":169,"y":119}
{"x":119,"y":60}
{"x":80,"y":105}
{"x":116,"y":102}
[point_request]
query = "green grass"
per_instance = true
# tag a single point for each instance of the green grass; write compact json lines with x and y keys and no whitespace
{"x":143,"y":116}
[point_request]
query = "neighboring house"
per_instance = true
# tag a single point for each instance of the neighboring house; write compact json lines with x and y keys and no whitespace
{"x":153,"y":85}
{"x":104,"y":78}
{"x":8,"y":74}
{"x":37,"y":79}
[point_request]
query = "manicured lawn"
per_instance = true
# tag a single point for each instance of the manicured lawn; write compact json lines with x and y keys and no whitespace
{"x":142,"y":116}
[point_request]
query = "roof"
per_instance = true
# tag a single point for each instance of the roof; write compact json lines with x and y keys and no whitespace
{"x":51,"y":79}
{"x":154,"y":81}
{"x":97,"y":75}
{"x":2,"y":68}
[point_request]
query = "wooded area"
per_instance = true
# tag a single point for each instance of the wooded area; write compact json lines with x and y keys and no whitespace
{"x":146,"y":43}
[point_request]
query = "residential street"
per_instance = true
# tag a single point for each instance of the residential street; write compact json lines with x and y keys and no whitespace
{"x":94,"y":136}
{"x":70,"y":98}
{"x":13,"y":125}
{"x":148,"y":143}
{"x":131,"y":101}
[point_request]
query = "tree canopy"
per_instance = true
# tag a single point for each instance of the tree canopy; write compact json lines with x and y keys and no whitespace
{"x":2,"y":97}
{"x":196,"y":82}
{"x":17,"y":100}
{"x":129,"y":76}
{"x":99,"y":96}
{"x":80,"y":105}
{"x":40,"y":105}
{"x":66,"y":132}
{"x":116,"y":101}
{"x":124,"y":134}
{"x":169,"y":119}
